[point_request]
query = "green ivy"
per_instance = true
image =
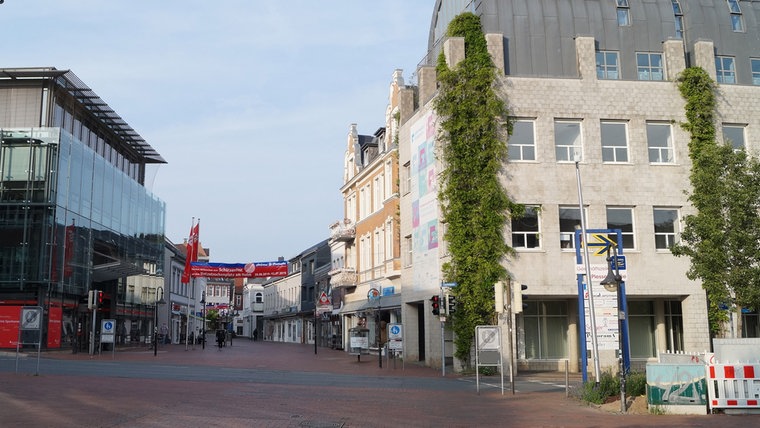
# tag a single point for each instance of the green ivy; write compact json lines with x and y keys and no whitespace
{"x":723,"y":238}
{"x":474,"y":204}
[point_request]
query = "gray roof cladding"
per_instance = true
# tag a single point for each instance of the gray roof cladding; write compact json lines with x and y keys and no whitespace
{"x":539,"y":34}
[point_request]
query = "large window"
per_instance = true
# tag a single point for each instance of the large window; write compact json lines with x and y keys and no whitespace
{"x":569,"y":220}
{"x":659,"y":142}
{"x":607,"y":65}
{"x":725,"y":69}
{"x":522,"y":144}
{"x":614,"y":142}
{"x":641,"y":329}
{"x":674,"y":325}
{"x":567,"y":141}
{"x":665,"y":227}
{"x":649,"y":66}
{"x":750,"y":323}
{"x":621,"y":218}
{"x":755,"y":63}
{"x":525,"y":230}
{"x":545,"y":327}
{"x":734,"y":135}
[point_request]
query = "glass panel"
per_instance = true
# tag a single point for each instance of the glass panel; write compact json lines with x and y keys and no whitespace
{"x":521,"y":142}
{"x":659,"y":143}
{"x":614,"y":142}
{"x":755,"y":71}
{"x":734,"y":135}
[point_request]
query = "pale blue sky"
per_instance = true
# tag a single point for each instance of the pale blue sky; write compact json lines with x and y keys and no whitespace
{"x":249,"y":101}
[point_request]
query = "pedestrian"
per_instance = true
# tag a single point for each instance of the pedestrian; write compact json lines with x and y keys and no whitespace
{"x":255,"y":334}
{"x":220,"y":338}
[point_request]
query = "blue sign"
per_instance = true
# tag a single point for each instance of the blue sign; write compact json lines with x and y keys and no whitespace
{"x":449,"y":284}
{"x":395,"y":329}
{"x":620,"y":263}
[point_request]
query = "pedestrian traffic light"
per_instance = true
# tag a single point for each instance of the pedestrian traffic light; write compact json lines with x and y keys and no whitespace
{"x":100,"y":299}
{"x":91,"y":302}
{"x":518,"y":297}
{"x":435,"y":302}
{"x":451,"y":304}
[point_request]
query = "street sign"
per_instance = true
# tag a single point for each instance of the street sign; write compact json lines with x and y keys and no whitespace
{"x":602,"y":243}
{"x":448,"y":284}
{"x":107,"y":331}
{"x":395,"y":332}
{"x":323,"y":299}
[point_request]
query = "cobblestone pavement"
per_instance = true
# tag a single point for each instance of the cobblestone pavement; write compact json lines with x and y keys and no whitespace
{"x":49,"y":400}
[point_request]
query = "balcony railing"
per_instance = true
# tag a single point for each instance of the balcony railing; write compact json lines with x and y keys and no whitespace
{"x":343,"y":230}
{"x":343,"y":277}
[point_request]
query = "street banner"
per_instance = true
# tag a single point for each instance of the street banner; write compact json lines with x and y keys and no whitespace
{"x":239,"y":270}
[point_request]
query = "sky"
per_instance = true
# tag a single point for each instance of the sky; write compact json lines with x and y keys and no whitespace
{"x":249,"y":101}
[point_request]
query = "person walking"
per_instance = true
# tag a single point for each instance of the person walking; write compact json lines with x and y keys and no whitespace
{"x":220,"y":338}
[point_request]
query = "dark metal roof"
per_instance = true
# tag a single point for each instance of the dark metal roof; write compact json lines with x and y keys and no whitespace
{"x":68,"y":81}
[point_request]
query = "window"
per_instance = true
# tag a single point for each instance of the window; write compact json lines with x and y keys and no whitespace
{"x":522,"y":145}
{"x":406,"y":178}
{"x":567,"y":141}
{"x":569,"y":220}
{"x":665,"y":227}
{"x":407,"y":250}
{"x":678,"y":18}
{"x":641,"y":328}
{"x":755,"y":62}
{"x":614,"y":142}
{"x":525,"y":230}
{"x":724,"y":69}
{"x":674,"y":325}
{"x":621,"y":218}
{"x":734,"y":135}
{"x":545,"y":328}
{"x":379,"y":192}
{"x":607,"y":65}
{"x":737,"y":23}
{"x":623,"y":13}
{"x":659,"y":142}
{"x":750,"y":323}
{"x":649,"y":66}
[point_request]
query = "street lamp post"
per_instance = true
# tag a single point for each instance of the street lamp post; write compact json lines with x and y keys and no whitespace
{"x":159,"y":301}
{"x":612,"y":283}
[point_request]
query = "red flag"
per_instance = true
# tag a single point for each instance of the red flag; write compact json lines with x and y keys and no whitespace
{"x":191,"y":250}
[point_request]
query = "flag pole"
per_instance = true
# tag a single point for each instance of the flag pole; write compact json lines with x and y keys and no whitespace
{"x":189,"y":254}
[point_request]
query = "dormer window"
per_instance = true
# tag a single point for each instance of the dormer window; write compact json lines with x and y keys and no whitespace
{"x":678,"y":12}
{"x":623,"y":13}
{"x":737,"y":21}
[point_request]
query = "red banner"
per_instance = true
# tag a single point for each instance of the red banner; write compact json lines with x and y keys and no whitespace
{"x":239,"y":270}
{"x":191,"y":251}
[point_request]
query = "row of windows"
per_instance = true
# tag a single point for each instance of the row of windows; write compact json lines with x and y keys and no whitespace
{"x":568,"y":144}
{"x":526,"y":230}
{"x":737,"y":20}
{"x":649,"y":66}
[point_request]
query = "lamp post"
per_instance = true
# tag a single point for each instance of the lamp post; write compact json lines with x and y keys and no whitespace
{"x":203,"y":313}
{"x":612,"y":283}
{"x":159,"y":301}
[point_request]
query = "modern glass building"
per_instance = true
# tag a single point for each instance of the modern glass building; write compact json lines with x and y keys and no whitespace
{"x":74,"y":213}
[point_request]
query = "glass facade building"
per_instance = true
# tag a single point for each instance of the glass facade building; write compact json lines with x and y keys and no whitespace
{"x":74,"y":214}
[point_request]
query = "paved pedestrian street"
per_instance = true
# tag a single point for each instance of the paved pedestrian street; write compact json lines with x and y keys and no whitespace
{"x":264,"y":384}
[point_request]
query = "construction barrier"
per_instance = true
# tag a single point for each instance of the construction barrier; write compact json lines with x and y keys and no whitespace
{"x":733,"y":386}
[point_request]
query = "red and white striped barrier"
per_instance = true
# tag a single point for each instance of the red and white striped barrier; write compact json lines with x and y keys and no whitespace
{"x":733,"y":386}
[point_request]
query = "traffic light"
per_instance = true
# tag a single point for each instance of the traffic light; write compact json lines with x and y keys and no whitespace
{"x":518,"y":297}
{"x":451,"y":304}
{"x":91,"y":302}
{"x":100,"y":299}
{"x":435,"y":302}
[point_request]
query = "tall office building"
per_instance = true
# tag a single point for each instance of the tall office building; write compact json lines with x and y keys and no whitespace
{"x":592,"y":89}
{"x":75,"y":215}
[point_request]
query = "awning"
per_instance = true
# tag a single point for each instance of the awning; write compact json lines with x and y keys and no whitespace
{"x":385,"y":302}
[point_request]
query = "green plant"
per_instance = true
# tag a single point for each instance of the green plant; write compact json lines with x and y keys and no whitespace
{"x":635,"y":384}
{"x":723,"y":238}
{"x":474,"y":204}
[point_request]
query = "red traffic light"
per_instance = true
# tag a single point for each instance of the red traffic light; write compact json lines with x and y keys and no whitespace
{"x":435,"y":302}
{"x":100,"y":298}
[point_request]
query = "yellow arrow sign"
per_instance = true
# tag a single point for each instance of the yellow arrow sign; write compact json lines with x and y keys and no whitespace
{"x":602,"y":243}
